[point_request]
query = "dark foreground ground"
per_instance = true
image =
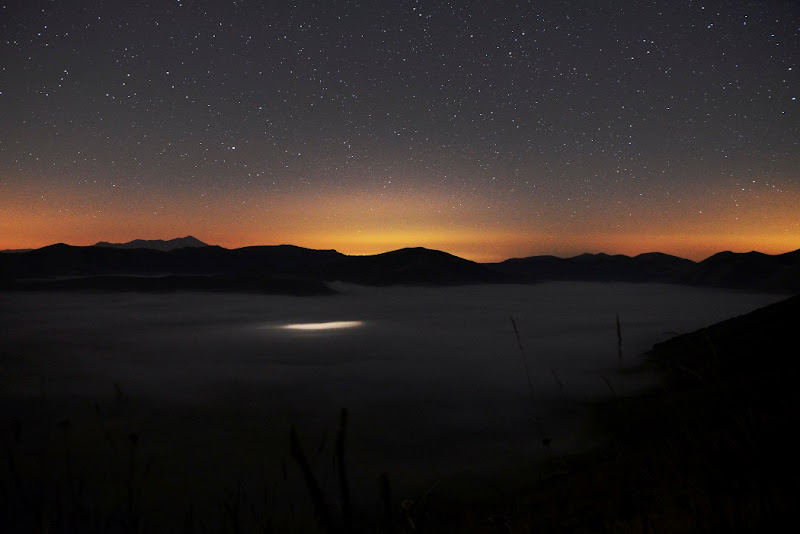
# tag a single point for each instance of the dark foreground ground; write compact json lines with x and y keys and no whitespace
{"x":713,"y":449}
{"x":709,"y":450}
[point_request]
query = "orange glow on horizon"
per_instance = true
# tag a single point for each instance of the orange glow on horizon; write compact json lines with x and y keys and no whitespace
{"x":485,"y":248}
{"x":371,"y":223}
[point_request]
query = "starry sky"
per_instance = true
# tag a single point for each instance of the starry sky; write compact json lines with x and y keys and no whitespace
{"x":486,"y":129}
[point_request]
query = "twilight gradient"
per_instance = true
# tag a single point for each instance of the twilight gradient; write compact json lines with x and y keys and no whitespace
{"x":486,"y":129}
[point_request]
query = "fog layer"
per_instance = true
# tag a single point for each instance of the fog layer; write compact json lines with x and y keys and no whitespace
{"x":434,"y":378}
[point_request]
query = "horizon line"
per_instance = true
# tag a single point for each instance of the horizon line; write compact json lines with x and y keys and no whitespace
{"x":24,"y":250}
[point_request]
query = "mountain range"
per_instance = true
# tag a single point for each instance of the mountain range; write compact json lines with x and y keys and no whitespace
{"x":188,"y":263}
{"x":157,"y":244}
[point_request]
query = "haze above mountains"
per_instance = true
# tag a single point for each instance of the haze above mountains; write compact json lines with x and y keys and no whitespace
{"x":188,"y":263}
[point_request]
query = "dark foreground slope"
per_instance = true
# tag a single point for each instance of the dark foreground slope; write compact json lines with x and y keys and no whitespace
{"x":712,"y":449}
{"x":763,"y":342}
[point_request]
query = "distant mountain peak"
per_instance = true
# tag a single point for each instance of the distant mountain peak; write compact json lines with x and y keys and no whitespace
{"x":157,"y":244}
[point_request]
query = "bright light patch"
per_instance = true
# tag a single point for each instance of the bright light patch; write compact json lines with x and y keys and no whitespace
{"x":332,"y":325}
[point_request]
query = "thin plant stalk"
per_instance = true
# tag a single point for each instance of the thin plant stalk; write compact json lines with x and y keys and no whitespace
{"x":344,"y":487}
{"x":542,"y":434}
{"x":323,"y":514}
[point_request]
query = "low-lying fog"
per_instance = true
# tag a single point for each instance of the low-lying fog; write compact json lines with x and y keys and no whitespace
{"x":433,"y":378}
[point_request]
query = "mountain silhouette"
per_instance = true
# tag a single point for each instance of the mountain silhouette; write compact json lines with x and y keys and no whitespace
{"x":156,"y":244}
{"x":407,"y":266}
{"x":752,"y":270}
{"x":268,"y":267}
{"x":649,"y":267}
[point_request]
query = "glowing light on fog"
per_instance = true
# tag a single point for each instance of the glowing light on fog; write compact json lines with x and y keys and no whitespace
{"x":332,"y":325}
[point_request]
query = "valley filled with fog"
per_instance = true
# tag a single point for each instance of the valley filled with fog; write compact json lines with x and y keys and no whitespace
{"x":434,"y":379}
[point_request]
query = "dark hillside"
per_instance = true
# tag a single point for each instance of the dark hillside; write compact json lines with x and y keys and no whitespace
{"x":650,"y":267}
{"x":752,"y":270}
{"x":407,"y":266}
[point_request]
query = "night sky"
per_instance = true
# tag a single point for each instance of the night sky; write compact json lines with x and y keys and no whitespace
{"x":485,"y":129}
